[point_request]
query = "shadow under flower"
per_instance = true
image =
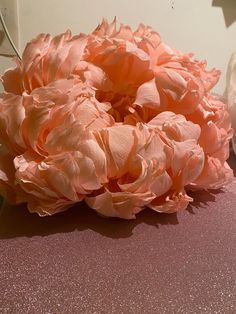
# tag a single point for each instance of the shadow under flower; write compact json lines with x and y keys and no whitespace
{"x":201,"y":199}
{"x":232,"y":162}
{"x":16,"y":221}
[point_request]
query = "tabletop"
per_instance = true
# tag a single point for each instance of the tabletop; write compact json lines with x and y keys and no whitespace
{"x":79,"y":262}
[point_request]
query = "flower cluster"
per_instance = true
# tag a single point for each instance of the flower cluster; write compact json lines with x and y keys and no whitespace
{"x":116,"y":118}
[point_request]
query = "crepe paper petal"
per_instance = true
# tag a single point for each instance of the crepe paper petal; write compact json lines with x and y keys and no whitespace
{"x":12,"y":114}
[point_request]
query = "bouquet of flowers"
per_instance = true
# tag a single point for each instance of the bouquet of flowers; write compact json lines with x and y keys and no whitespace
{"x":116,"y":118}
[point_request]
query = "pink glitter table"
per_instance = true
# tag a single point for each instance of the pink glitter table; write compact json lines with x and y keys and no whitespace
{"x":78,"y":262}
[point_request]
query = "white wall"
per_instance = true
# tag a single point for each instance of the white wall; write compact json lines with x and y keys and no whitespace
{"x":5,"y":62}
{"x":191,"y":26}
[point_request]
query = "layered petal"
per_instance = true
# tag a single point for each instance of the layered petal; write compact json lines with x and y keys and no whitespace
{"x":12,"y":114}
{"x":8,"y":187}
{"x":170,"y":203}
{"x":215,"y":174}
{"x":120,"y":204}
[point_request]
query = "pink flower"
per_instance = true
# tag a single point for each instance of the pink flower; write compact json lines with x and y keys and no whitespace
{"x":144,"y":165}
{"x":44,"y":60}
{"x":57,"y":182}
{"x":116,"y":118}
{"x":216,"y":132}
{"x":56,"y":116}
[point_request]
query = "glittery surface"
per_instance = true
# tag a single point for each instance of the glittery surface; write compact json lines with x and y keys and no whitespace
{"x":78,"y":262}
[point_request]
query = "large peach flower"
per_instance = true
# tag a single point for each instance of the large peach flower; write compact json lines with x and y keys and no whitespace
{"x":57,"y":182}
{"x":214,"y":120}
{"x":47,"y":59}
{"x":49,"y":127}
{"x":44,"y":60}
{"x":148,"y":77}
{"x":146,"y":166}
{"x":116,"y":118}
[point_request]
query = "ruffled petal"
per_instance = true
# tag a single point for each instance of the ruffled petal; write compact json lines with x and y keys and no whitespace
{"x":12,"y":114}
{"x":171,"y":203}
{"x":214,"y":175}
